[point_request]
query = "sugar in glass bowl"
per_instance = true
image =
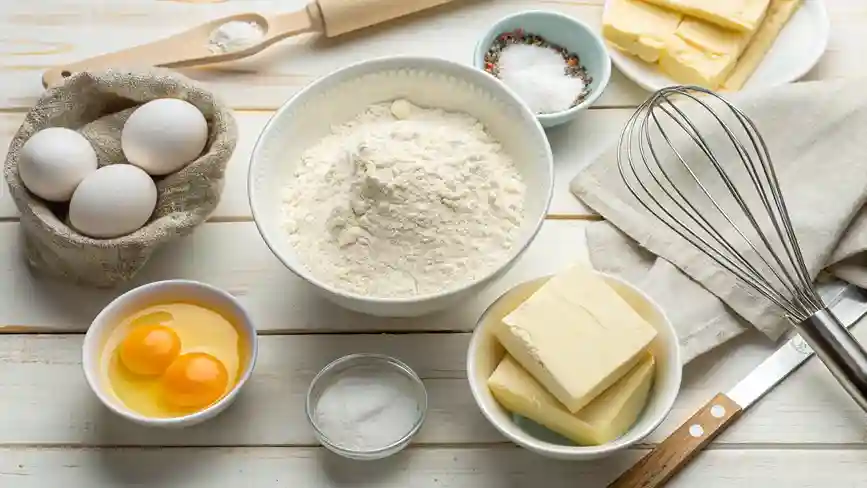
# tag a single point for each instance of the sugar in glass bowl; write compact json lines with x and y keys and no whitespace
{"x":366,"y":406}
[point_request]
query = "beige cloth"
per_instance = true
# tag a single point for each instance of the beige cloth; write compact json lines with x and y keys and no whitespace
{"x":97,"y":105}
{"x":815,"y":134}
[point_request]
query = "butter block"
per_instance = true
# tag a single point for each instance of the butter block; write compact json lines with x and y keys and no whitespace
{"x":639,"y":28}
{"x":739,"y":15}
{"x":779,"y":13}
{"x":702,"y":54}
{"x":576,"y":336}
{"x":710,"y":38}
{"x":604,"y":419}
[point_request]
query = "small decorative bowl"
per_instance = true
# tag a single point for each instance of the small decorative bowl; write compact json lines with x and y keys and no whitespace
{"x":153,"y":294}
{"x":354,"y":363}
{"x":564,"y":31}
{"x":485,"y":353}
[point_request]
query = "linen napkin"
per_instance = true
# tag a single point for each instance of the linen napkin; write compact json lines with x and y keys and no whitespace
{"x":815,"y":134}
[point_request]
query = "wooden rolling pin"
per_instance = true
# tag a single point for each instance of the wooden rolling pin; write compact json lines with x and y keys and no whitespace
{"x":192,"y":47}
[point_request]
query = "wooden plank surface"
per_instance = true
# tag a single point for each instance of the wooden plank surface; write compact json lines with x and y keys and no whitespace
{"x":35,"y":42}
{"x":47,"y":402}
{"x":234,"y":257}
{"x":268,"y":79}
{"x":37,"y":39}
{"x":805,"y":434}
{"x":498,"y":467}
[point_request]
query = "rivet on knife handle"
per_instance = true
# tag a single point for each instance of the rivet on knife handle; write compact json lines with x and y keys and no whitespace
{"x":674,"y":452}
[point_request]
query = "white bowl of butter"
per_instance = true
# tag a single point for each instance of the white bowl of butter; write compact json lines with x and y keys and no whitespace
{"x":621,"y":415}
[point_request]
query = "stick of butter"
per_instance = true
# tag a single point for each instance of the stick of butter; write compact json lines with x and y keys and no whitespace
{"x":779,"y":14}
{"x":576,"y":336}
{"x":702,"y":54}
{"x":739,"y":15}
{"x":639,"y":28}
{"x":604,"y":419}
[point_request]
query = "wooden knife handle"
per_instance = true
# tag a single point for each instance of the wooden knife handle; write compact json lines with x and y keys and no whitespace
{"x":656,"y":468}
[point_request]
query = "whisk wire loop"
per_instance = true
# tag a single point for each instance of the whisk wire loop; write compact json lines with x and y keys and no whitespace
{"x":769,"y":259}
{"x":692,"y":213}
{"x":717,"y":188}
{"x":778,"y":211}
{"x":751,"y":170}
{"x":662,"y":212}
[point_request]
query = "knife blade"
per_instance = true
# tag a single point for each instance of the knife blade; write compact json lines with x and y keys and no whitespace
{"x":847,"y":302}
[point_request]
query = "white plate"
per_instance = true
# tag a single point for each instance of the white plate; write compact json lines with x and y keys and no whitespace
{"x":796,"y":50}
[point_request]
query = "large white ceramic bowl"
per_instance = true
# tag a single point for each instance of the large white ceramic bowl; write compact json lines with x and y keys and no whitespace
{"x":485,"y":353}
{"x":428,"y":82}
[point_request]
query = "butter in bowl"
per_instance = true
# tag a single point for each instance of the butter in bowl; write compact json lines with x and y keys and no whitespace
{"x":574,"y":366}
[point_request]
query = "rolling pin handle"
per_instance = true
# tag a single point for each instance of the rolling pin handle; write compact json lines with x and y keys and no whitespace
{"x":314,"y":12}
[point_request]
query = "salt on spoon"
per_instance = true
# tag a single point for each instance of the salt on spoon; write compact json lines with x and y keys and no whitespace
{"x":234,"y":36}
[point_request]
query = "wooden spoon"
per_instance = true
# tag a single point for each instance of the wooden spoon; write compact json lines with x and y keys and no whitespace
{"x":192,"y":47}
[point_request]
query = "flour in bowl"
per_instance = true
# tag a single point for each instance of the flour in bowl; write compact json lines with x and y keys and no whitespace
{"x":404,"y":201}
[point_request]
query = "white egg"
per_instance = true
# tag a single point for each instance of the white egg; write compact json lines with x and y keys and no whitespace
{"x":113,"y":201}
{"x":164,"y":135}
{"x":54,"y":161}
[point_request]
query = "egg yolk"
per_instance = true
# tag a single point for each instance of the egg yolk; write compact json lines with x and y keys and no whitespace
{"x":149,"y":349}
{"x":195,"y":380}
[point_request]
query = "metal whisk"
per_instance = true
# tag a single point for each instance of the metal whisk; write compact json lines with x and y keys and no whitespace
{"x":719,"y":191}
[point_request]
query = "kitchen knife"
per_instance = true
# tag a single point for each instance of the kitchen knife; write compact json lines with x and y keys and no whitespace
{"x":845,"y":301}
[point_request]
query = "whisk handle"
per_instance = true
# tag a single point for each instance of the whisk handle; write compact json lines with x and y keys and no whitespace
{"x":840,"y":351}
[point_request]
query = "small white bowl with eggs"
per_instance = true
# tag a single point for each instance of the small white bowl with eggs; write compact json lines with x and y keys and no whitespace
{"x":429,"y":83}
{"x":98,"y":345}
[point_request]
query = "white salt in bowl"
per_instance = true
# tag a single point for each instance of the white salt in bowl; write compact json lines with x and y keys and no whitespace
{"x":428,"y":82}
{"x":370,"y":366}
{"x":563,"y":30}
{"x":485,"y":353}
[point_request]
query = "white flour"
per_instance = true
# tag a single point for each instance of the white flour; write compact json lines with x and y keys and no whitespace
{"x":234,"y":36}
{"x":404,"y":201}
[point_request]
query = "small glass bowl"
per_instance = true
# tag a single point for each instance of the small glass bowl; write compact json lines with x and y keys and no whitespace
{"x":333,"y":371}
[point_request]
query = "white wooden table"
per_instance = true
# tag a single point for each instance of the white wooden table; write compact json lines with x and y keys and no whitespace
{"x":53,"y":432}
